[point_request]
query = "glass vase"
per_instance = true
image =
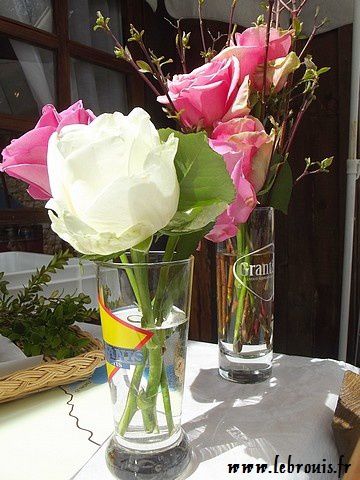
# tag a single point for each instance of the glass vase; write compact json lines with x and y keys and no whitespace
{"x":144,"y":309}
{"x":245,"y":300}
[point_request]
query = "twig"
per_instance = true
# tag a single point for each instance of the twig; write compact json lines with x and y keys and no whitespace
{"x":304,"y":108}
{"x":216,"y":39}
{"x":268,"y":28}
{"x":157,"y":72}
{"x":132,"y":63}
{"x":180,"y":48}
{"x":315,"y":29}
{"x":286,"y":6}
{"x":200,"y":3}
{"x":306,"y":173}
{"x":277,"y":14}
{"x":231,"y":21}
{"x":302,"y":5}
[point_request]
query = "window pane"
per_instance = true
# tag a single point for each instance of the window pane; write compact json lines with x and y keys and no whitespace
{"x":82,"y":16}
{"x":37,"y":13}
{"x":26,"y":78}
{"x":102,"y":90}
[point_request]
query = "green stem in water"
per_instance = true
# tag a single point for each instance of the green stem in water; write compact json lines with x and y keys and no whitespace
{"x":155,"y":369}
{"x":166,"y":399}
{"x":163,"y":279}
{"x":131,"y":401}
{"x":146,"y":401}
{"x":242,"y":251}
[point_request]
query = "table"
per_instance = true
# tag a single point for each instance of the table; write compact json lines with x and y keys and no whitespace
{"x":227,"y":423}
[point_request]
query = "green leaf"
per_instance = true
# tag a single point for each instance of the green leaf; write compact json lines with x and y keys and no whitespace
{"x":143,"y":247}
{"x":298,"y":26}
{"x":276,"y":162}
{"x":205,"y":185}
{"x":193,"y":220}
{"x":102,"y":258}
{"x":326,"y":163}
{"x":323,"y":70}
{"x":281,"y":191}
{"x":35,"y":350}
{"x":144,"y":67}
{"x":187,"y":244}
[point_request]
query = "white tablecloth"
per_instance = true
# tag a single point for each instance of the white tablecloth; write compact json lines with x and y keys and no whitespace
{"x":227,"y":423}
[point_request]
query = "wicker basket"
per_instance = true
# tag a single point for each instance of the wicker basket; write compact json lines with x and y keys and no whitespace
{"x":53,"y":373}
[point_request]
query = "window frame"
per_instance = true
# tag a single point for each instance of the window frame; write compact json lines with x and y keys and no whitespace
{"x":64,"y":49}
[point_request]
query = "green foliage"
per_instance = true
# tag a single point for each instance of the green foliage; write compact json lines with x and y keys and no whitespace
{"x":102,"y":258}
{"x":326,"y":163}
{"x":259,"y":21}
{"x":280,"y":193}
{"x":276,"y":162}
{"x":187,"y":244}
{"x":135,"y":35}
{"x":143,"y":66}
{"x":205,"y":185}
{"x":312,"y":168}
{"x":39,"y":325}
{"x":298,"y":28}
{"x":101,"y":23}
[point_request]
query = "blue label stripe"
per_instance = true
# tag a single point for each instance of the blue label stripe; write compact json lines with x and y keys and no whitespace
{"x":122,"y":357}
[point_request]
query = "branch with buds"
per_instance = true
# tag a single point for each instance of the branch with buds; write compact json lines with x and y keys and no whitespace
{"x":182,"y":43}
{"x":201,"y":25}
{"x":232,"y":28}
{"x":316,"y":28}
{"x":313,"y":168}
{"x":152,"y":64}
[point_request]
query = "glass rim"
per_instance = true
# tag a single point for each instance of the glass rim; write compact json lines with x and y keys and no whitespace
{"x":146,"y":264}
{"x":263,"y":207}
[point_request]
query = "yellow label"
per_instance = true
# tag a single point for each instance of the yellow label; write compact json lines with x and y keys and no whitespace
{"x":111,"y":370}
{"x":118,"y":333}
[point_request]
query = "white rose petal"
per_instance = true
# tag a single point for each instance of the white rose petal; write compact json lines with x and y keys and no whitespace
{"x":113,"y":182}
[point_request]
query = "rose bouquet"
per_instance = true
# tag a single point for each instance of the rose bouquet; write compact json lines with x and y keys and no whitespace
{"x":249,"y":96}
{"x":114,"y":184}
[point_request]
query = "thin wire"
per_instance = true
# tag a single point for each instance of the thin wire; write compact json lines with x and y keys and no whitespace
{"x":69,"y":402}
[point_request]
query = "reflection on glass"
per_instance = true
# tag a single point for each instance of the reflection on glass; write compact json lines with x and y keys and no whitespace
{"x":82,"y":16}
{"x":26,"y":78}
{"x":101,"y":89}
{"x":37,"y":13}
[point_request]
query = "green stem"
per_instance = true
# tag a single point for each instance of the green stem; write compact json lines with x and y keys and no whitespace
{"x":242,"y":251}
{"x":157,"y":374}
{"x":131,"y":277}
{"x":166,"y":400}
{"x":141,"y":276}
{"x":155,"y":369}
{"x":131,"y":401}
{"x":163,"y":279}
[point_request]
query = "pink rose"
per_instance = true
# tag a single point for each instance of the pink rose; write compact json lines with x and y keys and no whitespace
{"x":250,"y":48}
{"x":246,"y":149}
{"x":209,"y":94}
{"x":277,"y":72}
{"x":25,"y":157}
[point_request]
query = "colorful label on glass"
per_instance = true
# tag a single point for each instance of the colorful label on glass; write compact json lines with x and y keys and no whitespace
{"x":123,"y":342}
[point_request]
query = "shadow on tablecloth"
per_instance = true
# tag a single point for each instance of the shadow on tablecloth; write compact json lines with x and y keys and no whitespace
{"x":289,"y":414}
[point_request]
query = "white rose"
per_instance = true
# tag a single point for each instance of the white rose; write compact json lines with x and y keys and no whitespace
{"x":113,"y":182}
